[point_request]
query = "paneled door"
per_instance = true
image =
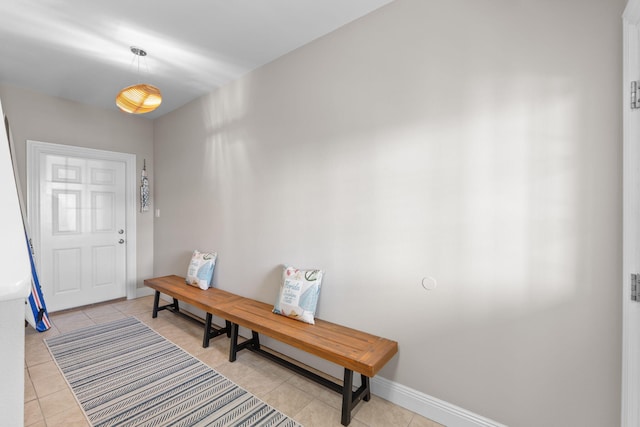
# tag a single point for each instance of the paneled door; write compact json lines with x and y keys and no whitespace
{"x":82,"y":230}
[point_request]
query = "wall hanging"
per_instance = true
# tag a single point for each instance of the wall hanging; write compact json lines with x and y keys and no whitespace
{"x":144,"y":189}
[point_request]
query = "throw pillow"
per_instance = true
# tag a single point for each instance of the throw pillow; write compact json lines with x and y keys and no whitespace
{"x":200,"y":271}
{"x":299,"y":292}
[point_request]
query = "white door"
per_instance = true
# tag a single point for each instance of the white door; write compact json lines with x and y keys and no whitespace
{"x":82,"y":231}
{"x":82,"y":189}
{"x":631,"y":219}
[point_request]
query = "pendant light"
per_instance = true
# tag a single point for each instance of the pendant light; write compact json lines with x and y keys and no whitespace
{"x":140,"y":98}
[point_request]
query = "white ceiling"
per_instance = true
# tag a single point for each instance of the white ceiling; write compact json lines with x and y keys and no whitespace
{"x":79,"y":49}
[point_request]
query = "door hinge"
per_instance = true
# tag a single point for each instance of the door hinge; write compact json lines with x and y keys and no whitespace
{"x":635,"y":102}
{"x":635,"y":278}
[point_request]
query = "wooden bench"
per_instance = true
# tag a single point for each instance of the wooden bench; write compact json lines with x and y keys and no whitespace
{"x":354,"y":350}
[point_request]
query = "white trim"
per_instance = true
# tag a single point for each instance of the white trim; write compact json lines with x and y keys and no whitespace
{"x":631,"y":12}
{"x":630,"y":393}
{"x":35,"y":148}
{"x":630,"y":409}
{"x":430,"y":407}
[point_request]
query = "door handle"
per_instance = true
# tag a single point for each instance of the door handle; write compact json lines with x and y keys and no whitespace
{"x":121,"y":241}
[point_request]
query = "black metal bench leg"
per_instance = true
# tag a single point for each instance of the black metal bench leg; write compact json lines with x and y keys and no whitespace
{"x":233,"y":345}
{"x":256,"y":340}
{"x":207,"y":331}
{"x":365,"y":383}
{"x":252,"y":344}
{"x":156,"y":301}
{"x":347,"y":397}
{"x":175,"y":305}
{"x":227,"y":326}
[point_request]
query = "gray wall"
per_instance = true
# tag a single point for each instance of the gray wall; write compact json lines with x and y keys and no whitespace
{"x":477,"y":142}
{"x":38,"y":117}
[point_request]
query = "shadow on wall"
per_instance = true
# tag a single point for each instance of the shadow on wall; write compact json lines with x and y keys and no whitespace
{"x":488,"y":200}
{"x":489,"y":203}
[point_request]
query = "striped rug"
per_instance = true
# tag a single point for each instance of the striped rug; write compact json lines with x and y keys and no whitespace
{"x":125,"y":374}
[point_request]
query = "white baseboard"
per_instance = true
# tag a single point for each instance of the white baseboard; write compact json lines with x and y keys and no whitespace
{"x":430,"y":407}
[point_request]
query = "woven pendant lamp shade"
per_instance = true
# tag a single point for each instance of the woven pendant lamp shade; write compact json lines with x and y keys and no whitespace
{"x":139,"y":99}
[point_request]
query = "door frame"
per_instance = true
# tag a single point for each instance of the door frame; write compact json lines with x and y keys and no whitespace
{"x":35,"y":148}
{"x":630,"y":398}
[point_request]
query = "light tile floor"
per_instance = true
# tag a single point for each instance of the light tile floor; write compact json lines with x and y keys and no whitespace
{"x":49,"y":401}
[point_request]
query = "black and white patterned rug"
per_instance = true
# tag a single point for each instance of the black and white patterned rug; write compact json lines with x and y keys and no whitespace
{"x":125,"y":374}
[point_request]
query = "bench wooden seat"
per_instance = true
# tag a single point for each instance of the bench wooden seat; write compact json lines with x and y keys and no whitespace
{"x":354,"y":350}
{"x":361,"y":352}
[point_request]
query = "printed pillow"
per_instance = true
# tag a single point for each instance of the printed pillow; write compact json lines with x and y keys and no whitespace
{"x":201,"y":268}
{"x":299,"y":292}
